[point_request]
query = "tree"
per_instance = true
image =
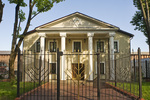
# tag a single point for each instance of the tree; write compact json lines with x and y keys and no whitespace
{"x":1,"y":10}
{"x":40,"y":6}
{"x":141,"y":19}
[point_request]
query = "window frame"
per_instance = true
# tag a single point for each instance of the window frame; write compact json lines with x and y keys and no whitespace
{"x":73,"y":45}
{"x":96,"y":48}
{"x":117,"y":46}
{"x":49,"y":45}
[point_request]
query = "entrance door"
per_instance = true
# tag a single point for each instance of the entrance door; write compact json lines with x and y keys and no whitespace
{"x":75,"y":70}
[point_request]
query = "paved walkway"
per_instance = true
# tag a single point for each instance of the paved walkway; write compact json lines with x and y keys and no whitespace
{"x":69,"y":91}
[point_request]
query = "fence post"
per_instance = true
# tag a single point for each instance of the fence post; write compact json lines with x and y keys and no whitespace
{"x":146,"y":68}
{"x":58,"y":75}
{"x":115,"y":71}
{"x":18,"y":74}
{"x":98,"y":75}
{"x":140,"y":73}
{"x":40,"y":71}
{"x":134,"y":68}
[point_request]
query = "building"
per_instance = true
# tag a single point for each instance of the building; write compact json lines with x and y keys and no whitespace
{"x":75,"y":33}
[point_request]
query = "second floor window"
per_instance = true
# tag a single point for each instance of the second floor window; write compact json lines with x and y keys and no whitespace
{"x":116,"y":49}
{"x":77,"y":46}
{"x":52,"y":46}
{"x":100,"y":46}
{"x":38,"y":46}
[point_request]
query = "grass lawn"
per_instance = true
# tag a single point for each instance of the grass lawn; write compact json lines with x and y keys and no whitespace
{"x":134,"y":88}
{"x":9,"y":92}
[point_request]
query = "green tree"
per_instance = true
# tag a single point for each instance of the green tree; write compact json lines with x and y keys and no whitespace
{"x":1,"y":10}
{"x":40,"y":6}
{"x":141,"y":19}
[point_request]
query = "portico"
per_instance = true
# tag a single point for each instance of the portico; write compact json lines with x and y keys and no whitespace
{"x":78,"y":33}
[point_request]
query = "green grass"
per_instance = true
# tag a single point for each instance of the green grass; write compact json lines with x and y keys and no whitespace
{"x":9,"y":92}
{"x":134,"y":88}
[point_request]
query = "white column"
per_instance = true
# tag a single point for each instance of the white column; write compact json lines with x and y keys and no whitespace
{"x":90,"y":47}
{"x":42,"y":51}
{"x":111,"y":44}
{"x":63,"y":48}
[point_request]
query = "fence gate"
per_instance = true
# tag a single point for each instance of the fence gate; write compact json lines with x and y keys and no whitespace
{"x":77,"y":76}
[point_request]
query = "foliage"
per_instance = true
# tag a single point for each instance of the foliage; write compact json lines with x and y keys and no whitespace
{"x":133,"y":87}
{"x":35,"y":7}
{"x":138,"y":20}
{"x":9,"y":92}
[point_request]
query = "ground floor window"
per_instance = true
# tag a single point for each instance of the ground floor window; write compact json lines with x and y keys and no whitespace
{"x":102,"y":68}
{"x":52,"y":68}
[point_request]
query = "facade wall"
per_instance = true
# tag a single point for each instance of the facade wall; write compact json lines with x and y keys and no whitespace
{"x":124,"y":48}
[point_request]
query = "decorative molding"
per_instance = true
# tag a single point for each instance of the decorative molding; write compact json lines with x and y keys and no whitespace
{"x":42,"y":34}
{"x":62,"y":34}
{"x":112,"y":34}
{"x":77,"y":21}
{"x":90,"y":34}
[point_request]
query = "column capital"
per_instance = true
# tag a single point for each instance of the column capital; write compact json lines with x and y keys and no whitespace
{"x":112,"y":34}
{"x":62,"y":34}
{"x":42,"y":34}
{"x":90,"y":34}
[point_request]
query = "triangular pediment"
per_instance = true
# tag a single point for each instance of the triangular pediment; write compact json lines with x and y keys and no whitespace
{"x":76,"y":20}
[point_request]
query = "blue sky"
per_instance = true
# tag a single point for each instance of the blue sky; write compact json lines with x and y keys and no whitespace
{"x":115,"y":12}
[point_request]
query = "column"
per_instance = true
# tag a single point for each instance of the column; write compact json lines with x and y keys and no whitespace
{"x":42,"y":52}
{"x":63,"y":48}
{"x":112,"y":69}
{"x":90,"y":47}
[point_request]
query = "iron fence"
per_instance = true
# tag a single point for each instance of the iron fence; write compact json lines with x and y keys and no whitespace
{"x":82,"y":76}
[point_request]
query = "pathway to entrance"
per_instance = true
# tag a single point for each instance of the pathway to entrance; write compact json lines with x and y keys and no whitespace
{"x":69,"y":91}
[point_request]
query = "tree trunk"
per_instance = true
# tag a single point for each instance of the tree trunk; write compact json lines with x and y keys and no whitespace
{"x":1,"y":10}
{"x":13,"y":46}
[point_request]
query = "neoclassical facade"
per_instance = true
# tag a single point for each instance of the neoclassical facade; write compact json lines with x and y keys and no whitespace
{"x":80,"y":33}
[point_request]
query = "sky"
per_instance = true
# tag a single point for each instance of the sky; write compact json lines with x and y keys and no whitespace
{"x":115,"y":12}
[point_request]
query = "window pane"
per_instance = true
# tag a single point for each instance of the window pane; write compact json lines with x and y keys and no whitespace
{"x":37,"y":46}
{"x":101,"y":68}
{"x":77,"y":46}
{"x":52,"y":68}
{"x":115,"y":46}
{"x":100,"y":45}
{"x":53,"y":46}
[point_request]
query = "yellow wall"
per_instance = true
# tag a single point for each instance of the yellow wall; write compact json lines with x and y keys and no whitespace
{"x":124,"y":48}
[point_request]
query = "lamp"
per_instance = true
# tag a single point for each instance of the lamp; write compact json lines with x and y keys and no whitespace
{"x":84,"y":40}
{"x":69,"y":40}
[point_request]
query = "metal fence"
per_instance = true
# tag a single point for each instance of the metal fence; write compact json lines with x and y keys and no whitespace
{"x":112,"y":77}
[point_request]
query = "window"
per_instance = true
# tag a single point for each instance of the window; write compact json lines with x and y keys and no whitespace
{"x":77,"y":46}
{"x":102,"y":68}
{"x":116,"y":48}
{"x":52,"y":68}
{"x":37,"y":46}
{"x":100,"y":45}
{"x":52,"y":46}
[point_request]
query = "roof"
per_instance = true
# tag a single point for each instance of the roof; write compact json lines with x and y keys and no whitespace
{"x":5,"y":52}
{"x":81,"y":14}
